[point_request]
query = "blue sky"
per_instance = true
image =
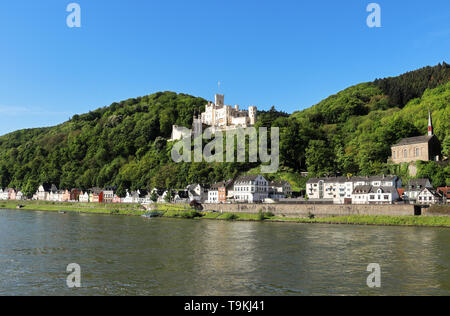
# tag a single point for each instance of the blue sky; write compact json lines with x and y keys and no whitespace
{"x":287,"y":53}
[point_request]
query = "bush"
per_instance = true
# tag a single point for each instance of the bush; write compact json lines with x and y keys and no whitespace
{"x":114,"y":212}
{"x":230,"y":217}
{"x":190,"y":214}
{"x":311,"y":215}
{"x":269,"y":214}
{"x":261,"y":216}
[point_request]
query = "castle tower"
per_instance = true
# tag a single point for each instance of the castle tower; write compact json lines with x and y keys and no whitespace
{"x":430,"y":124}
{"x":252,"y":114}
{"x":197,"y":126}
{"x":220,"y":100}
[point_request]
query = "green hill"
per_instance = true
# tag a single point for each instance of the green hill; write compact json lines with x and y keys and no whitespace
{"x":125,"y":144}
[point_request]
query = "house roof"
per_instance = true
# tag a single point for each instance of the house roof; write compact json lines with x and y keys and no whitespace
{"x":445,"y":191}
{"x":414,"y":140}
{"x":434,"y":192}
{"x":383,"y":189}
{"x":183,"y":194}
{"x":247,"y":178}
{"x":362,"y":189}
{"x":418,"y":183}
{"x":279,"y":184}
{"x":352,"y":179}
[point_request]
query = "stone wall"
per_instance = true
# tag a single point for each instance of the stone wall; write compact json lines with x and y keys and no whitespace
{"x":303,"y":210}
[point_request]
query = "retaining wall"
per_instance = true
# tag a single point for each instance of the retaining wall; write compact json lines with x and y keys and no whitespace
{"x":303,"y":210}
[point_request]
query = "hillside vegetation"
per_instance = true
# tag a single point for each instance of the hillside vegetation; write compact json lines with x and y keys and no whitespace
{"x":125,"y":144}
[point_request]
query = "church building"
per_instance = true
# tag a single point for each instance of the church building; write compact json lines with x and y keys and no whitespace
{"x":425,"y":148}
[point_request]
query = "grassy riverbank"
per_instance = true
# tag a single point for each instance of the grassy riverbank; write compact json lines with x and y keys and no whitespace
{"x":183,"y":211}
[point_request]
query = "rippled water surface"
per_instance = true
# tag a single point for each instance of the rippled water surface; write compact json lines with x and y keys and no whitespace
{"x":136,"y":256}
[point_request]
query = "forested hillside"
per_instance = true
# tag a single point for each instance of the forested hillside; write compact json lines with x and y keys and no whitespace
{"x":125,"y":144}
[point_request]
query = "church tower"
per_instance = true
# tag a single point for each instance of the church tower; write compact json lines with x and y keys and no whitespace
{"x":430,"y":124}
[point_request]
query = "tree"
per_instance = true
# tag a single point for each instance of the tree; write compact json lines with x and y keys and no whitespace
{"x":446,"y":146}
{"x":169,"y":196}
{"x":319,"y":158}
{"x":154,"y":196}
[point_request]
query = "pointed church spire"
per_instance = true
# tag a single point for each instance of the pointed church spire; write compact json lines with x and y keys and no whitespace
{"x":430,"y":124}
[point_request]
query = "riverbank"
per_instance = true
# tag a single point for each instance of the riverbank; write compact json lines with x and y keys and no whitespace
{"x":185,"y":212}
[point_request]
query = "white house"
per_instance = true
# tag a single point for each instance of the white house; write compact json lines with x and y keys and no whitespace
{"x":382,"y":195}
{"x":429,"y":196}
{"x":279,"y":189}
{"x":45,"y":190}
{"x":197,"y":192}
{"x":360,"y":194}
{"x":213,"y":194}
{"x":181,"y":197}
{"x":415,"y":187}
{"x":84,"y":197}
{"x":251,"y":189}
{"x":130,"y":197}
{"x":20,"y":196}
{"x":3,"y":194}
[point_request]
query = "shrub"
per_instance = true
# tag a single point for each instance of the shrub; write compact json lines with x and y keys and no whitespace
{"x":190,"y":214}
{"x":269,"y":214}
{"x":230,"y":217}
{"x":114,"y":212}
{"x":261,"y":216}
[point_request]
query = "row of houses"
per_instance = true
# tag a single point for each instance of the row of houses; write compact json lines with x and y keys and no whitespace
{"x":11,"y":194}
{"x":245,"y":189}
{"x":374,"y":190}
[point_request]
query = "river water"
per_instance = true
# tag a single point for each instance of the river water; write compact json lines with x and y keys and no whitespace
{"x":137,"y":256}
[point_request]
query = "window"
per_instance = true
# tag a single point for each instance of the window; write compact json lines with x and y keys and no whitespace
{"x":372,"y":197}
{"x":405,"y":153}
{"x":386,"y":197}
{"x":394,"y":154}
{"x":417,"y":152}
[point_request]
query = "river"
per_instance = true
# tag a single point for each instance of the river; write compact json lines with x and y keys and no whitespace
{"x":121,"y":255}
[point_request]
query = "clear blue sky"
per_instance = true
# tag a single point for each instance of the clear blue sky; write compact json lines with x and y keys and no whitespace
{"x":287,"y":53}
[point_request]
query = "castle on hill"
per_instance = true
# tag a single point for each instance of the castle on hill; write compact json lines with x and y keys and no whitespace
{"x":220,"y":117}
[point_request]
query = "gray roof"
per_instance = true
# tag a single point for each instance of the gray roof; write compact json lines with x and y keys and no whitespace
{"x":278,"y":184}
{"x":434,"y":192}
{"x":247,"y":178}
{"x":362,"y":189}
{"x":383,"y":189}
{"x":414,"y":140}
{"x":352,"y":179}
{"x":418,"y":183}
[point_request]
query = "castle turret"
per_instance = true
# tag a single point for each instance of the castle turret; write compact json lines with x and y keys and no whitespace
{"x":252,"y":114}
{"x":220,"y":100}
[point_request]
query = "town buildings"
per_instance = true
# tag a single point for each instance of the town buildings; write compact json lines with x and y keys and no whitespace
{"x":251,"y":189}
{"x":354,"y":190}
